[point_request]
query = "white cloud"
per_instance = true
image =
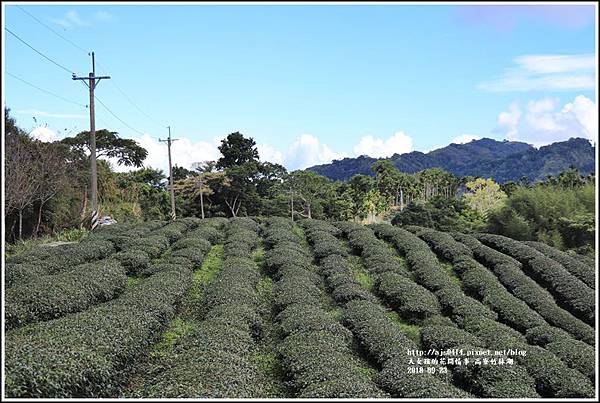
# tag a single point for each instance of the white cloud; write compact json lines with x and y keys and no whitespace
{"x":508,"y":122}
{"x":399,"y":143}
{"x":465,"y":138}
{"x":44,"y":134}
{"x":268,"y":153}
{"x":74,"y":17}
{"x":71,"y":18}
{"x":307,"y":151}
{"x":184,"y":152}
{"x":544,"y":123}
{"x":103,"y":16}
{"x":50,"y":114}
{"x":546,"y":73}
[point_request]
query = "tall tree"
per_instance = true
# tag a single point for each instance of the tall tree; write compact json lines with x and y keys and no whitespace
{"x":484,"y":196}
{"x":236,"y":150}
{"x":108,"y":144}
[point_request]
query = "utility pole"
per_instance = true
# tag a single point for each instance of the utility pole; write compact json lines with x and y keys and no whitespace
{"x":92,"y":82}
{"x":169,"y":141}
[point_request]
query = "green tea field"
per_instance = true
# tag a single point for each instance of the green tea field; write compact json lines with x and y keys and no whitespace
{"x":269,"y":308}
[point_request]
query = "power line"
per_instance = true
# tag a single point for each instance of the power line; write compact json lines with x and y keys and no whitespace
{"x":46,"y":91}
{"x":87,"y":52}
{"x":51,"y":29}
{"x":131,"y":101}
{"x":116,"y":117}
{"x":38,"y":52}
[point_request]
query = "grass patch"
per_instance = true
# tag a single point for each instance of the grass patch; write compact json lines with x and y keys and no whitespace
{"x":360,"y":274}
{"x":210,"y":266}
{"x":299,"y":231}
{"x":448,"y":268}
{"x":337,"y":314}
{"x":178,"y":328}
{"x":264,"y":290}
{"x":413,"y":332}
{"x":133,"y":280}
{"x":368,"y":372}
{"x":191,"y":307}
{"x":258,"y":255}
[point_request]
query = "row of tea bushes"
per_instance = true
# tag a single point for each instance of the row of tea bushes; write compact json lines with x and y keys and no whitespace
{"x":101,"y":243}
{"x":574,"y":294}
{"x":510,"y":309}
{"x":52,"y":296}
{"x":577,"y":267}
{"x":382,"y":339}
{"x":553,"y":378}
{"x":429,"y":273}
{"x":392,"y":281}
{"x":488,"y":381}
{"x":214,"y":360}
{"x":90,"y":353}
{"x":509,"y":273}
{"x":316,"y":350}
{"x":480,"y":383}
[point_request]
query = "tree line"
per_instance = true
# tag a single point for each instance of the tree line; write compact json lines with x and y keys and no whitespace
{"x":47,"y":189}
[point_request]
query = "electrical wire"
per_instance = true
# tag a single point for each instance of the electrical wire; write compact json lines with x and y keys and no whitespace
{"x":46,"y":91}
{"x":52,"y":30}
{"x":116,"y":117}
{"x":38,"y":52}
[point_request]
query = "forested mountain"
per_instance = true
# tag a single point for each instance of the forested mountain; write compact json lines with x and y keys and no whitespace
{"x":501,"y":160}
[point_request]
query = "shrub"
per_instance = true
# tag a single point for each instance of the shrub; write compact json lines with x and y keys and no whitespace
{"x":576,"y":267}
{"x":523,"y":287}
{"x":577,"y":297}
{"x":408,"y":298}
{"x":394,"y":379}
{"x":52,"y":296}
{"x":87,"y":354}
{"x":444,"y":337}
{"x":134,"y":261}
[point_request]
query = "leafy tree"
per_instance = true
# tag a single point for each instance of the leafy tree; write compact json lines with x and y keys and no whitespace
{"x":108,"y":144}
{"x":308,"y":190}
{"x":237,"y":150}
{"x":180,"y":173}
{"x":484,"y":195}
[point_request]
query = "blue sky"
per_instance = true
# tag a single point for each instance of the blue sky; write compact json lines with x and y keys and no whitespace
{"x":308,"y":83}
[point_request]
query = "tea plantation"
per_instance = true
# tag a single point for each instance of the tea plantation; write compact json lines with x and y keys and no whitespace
{"x":269,"y":308}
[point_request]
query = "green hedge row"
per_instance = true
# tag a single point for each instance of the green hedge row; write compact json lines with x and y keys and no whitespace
{"x":577,"y":298}
{"x":333,"y":264}
{"x":315,"y":353}
{"x":52,"y":296}
{"x":46,"y":260}
{"x":480,"y":321}
{"x":479,"y":281}
{"x":385,"y":342}
{"x":382,"y":339}
{"x":490,"y":381}
{"x":577,"y":267}
{"x":392,"y":281}
{"x":552,"y":376}
{"x":509,"y":273}
{"x":88,"y":354}
{"x":511,"y":310}
{"x":575,"y":353}
{"x":214,"y":361}
{"x":429,"y":273}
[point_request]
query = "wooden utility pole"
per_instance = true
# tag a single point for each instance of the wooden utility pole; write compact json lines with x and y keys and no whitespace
{"x":169,"y":140}
{"x":92,"y":82}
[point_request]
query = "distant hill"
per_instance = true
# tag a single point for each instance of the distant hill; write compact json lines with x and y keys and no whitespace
{"x":501,"y":160}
